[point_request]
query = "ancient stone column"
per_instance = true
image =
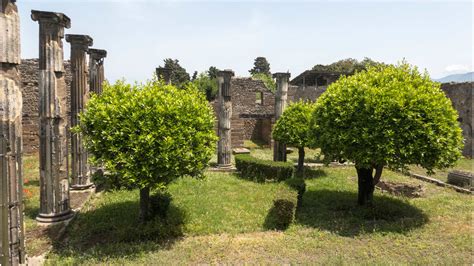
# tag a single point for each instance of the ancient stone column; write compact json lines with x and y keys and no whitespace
{"x":80,"y":175}
{"x":224,"y":146}
{"x":281,"y":95}
{"x":96,"y":69}
{"x":54,"y":184}
{"x":11,"y":182}
{"x":164,"y":74}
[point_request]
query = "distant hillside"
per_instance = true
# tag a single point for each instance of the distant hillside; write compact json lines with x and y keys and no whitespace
{"x":466,"y":77}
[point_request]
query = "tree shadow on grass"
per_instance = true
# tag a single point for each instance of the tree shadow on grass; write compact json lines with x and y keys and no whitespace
{"x":338,"y":212}
{"x":113,"y":231}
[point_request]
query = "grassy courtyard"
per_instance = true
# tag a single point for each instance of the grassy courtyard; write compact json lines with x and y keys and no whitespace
{"x":222,"y":219}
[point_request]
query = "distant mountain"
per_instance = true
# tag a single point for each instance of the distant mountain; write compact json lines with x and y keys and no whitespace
{"x":466,"y":77}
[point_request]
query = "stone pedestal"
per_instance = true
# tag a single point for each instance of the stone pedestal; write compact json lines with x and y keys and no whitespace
{"x":96,"y":70}
{"x":54,"y":183}
{"x":224,"y":146}
{"x":80,"y":174}
{"x":12,"y":251}
{"x":164,"y":74}
{"x":281,"y":95}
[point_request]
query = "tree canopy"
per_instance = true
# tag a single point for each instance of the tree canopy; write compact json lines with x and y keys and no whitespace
{"x":387,"y":116}
{"x":149,"y":134}
{"x":179,"y":76}
{"x":292,"y":127}
{"x":347,"y":66}
{"x":260,"y":66}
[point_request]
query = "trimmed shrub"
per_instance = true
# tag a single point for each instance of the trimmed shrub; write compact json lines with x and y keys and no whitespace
{"x":299,"y":185}
{"x":283,"y":211}
{"x":260,"y":170}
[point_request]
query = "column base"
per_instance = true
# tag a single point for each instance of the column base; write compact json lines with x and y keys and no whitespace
{"x":224,"y":166}
{"x":81,"y":187}
{"x":54,"y":218}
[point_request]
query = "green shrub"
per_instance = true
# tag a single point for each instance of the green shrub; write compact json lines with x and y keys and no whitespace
{"x":283,"y":211}
{"x":261,"y":170}
{"x":148,"y":135}
{"x":299,"y":185}
{"x":292,"y":128}
{"x":388,"y":116}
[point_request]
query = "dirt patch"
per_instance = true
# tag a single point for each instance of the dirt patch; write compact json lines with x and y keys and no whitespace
{"x":79,"y":198}
{"x":400,"y":189}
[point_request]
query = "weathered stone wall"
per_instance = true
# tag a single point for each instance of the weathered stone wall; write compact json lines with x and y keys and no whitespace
{"x":311,"y":93}
{"x":461,"y":97}
{"x":29,"y":89}
{"x":250,"y":120}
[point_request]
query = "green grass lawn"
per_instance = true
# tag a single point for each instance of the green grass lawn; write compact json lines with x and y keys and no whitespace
{"x":221,"y":218}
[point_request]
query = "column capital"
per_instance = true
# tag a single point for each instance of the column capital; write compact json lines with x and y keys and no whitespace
{"x":282,"y":75}
{"x":78,"y":39}
{"x":225,"y":73}
{"x":51,"y":17}
{"x":97,"y":53}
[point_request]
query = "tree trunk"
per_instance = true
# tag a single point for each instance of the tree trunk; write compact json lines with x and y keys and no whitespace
{"x":300,"y":168}
{"x":144,"y":204}
{"x":366,"y":186}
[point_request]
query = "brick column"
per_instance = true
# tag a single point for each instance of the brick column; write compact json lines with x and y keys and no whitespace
{"x":54,"y":183}
{"x":11,"y":182}
{"x":281,"y":95}
{"x":96,"y":69}
{"x":164,"y":74}
{"x":80,"y":175}
{"x":224,"y":146}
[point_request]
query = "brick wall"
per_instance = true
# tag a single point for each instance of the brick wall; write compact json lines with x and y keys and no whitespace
{"x":250,"y":120}
{"x":30,"y":93}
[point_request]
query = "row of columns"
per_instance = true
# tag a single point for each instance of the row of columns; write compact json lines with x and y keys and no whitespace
{"x":54,"y":179}
{"x":224,"y":145}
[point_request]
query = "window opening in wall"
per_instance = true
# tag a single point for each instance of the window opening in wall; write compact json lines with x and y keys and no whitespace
{"x":259,"y":97}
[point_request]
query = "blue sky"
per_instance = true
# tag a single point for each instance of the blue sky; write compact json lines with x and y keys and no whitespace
{"x":293,"y":35}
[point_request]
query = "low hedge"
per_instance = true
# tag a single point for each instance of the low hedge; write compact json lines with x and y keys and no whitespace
{"x":283,"y":211}
{"x":261,"y":170}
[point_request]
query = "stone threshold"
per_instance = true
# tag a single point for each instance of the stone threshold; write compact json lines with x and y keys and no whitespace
{"x":440,"y":183}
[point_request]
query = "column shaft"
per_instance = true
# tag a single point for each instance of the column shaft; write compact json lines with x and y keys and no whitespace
{"x":224,"y":146}
{"x":96,"y":70}
{"x":80,"y":174}
{"x":54,"y":183}
{"x":281,"y":95}
{"x":11,"y":182}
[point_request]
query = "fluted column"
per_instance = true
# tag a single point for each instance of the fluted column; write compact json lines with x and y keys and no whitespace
{"x":54,"y":184}
{"x":224,"y":146}
{"x":11,"y":182}
{"x":164,"y":74}
{"x":80,"y":174}
{"x":281,"y":95}
{"x":96,"y":69}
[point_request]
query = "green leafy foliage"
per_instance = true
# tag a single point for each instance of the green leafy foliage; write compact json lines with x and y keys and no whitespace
{"x":348,"y":66}
{"x":179,"y":76}
{"x":292,"y":127}
{"x":207,"y":85}
{"x":149,"y":134}
{"x":260,"y":66}
{"x":212,"y":72}
{"x":387,"y":116}
{"x":261,"y":170}
{"x":283,"y":211}
{"x":267,"y":80}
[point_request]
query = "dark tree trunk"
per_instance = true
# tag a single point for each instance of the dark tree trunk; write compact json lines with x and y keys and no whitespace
{"x":144,"y":204}
{"x":300,"y":168}
{"x":366,"y":186}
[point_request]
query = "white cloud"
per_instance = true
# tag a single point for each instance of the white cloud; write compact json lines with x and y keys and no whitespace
{"x":456,"y":68}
